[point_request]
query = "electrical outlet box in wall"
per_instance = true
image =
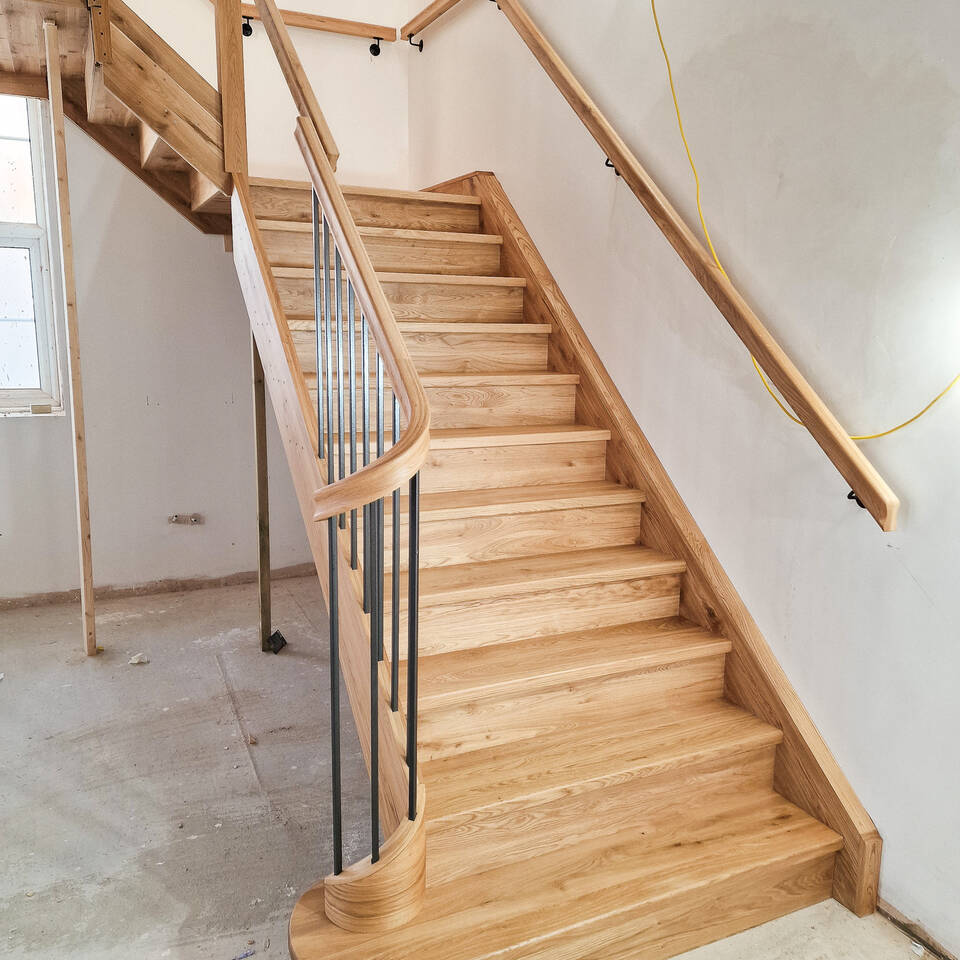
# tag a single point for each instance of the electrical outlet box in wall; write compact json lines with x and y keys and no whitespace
{"x":188,"y":519}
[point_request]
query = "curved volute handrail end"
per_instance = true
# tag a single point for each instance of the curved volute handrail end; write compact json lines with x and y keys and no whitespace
{"x":374,"y":897}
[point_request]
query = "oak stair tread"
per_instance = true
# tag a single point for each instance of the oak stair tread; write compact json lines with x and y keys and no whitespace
{"x":462,"y":675}
{"x":383,"y":192}
{"x":454,"y":504}
{"x":468,"y":438}
{"x":541,"y":907}
{"x":306,"y":273}
{"x":393,"y":233}
{"x":307,"y":322}
{"x":521,"y":575}
{"x":493,"y":378}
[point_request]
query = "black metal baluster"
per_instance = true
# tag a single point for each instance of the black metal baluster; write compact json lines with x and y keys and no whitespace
{"x":338,"y":299}
{"x":325,"y":415}
{"x":413,"y":600}
{"x":395,"y":581}
{"x":378,"y":520}
{"x":317,"y":314}
{"x":365,"y":428}
{"x":374,"y":750}
{"x":352,"y":373}
{"x":334,"y":605}
{"x":325,"y":377}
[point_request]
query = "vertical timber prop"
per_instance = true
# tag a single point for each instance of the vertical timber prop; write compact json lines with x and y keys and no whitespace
{"x":69,"y":293}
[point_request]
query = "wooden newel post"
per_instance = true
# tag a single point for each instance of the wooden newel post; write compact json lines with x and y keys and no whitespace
{"x":230,"y":79}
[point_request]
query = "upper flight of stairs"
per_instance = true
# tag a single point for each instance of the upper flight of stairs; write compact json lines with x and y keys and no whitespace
{"x":147,"y":106}
{"x":591,"y":794}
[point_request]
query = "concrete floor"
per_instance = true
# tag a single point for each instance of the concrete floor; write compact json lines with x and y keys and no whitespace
{"x":139,"y":819}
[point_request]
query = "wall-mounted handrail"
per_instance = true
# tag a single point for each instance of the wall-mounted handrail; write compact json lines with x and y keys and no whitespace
{"x":316,"y":21}
{"x":845,"y":455}
{"x":426,"y":16}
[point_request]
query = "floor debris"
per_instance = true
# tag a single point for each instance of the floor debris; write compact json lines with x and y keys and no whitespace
{"x":137,"y":659}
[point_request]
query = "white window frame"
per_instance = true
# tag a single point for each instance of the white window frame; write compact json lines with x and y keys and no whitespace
{"x":42,"y":239}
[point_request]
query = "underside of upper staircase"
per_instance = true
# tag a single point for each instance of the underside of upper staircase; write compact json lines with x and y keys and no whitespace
{"x":613,"y":766}
{"x":147,"y":106}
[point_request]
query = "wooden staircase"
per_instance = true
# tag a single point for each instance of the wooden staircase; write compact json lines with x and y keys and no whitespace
{"x":590,"y":791}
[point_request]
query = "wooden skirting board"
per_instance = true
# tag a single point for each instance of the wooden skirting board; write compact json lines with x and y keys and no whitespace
{"x":806,"y":772}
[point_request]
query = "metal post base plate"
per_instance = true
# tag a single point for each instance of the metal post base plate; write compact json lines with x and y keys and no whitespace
{"x":274,"y":643}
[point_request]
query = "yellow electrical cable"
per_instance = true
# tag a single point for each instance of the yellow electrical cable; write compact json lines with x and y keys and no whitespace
{"x":706,"y":233}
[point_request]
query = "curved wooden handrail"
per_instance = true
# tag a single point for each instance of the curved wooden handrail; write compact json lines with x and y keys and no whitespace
{"x":426,"y":16}
{"x":845,"y":455}
{"x":296,"y":78}
{"x":404,"y":459}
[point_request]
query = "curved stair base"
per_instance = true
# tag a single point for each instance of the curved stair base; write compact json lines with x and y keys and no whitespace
{"x":369,"y":897}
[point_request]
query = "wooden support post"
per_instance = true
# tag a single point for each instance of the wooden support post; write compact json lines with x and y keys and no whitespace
{"x":100,"y":29}
{"x":270,"y":642}
{"x":231,"y":82}
{"x":55,"y":94}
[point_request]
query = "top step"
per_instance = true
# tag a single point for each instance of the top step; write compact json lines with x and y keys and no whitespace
{"x":371,"y":206}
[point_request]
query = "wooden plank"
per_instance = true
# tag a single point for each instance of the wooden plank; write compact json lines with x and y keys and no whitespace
{"x":157,"y":155}
{"x":296,"y":77}
{"x":425,"y":17}
{"x":314,"y":21}
{"x":160,"y":102}
{"x":835,"y":441}
{"x":807,"y":773}
{"x":100,"y":30}
{"x":230,"y":79}
{"x":263,"y":495}
{"x":68,"y":280}
{"x":23,"y":85}
{"x":161,"y":53}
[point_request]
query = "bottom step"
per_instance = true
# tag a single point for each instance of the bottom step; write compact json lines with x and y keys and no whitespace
{"x":653,"y":889}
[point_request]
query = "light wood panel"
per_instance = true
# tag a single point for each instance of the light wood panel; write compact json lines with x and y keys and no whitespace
{"x":100,"y":30}
{"x":843,"y":452}
{"x":21,"y":36}
{"x":315,"y":21}
{"x":148,"y":89}
{"x":156,"y":155}
{"x":290,"y":244}
{"x":425,"y":17}
{"x":69,"y":294}
{"x":371,"y":206}
{"x":806,"y":771}
{"x":23,"y":85}
{"x":230,"y":80}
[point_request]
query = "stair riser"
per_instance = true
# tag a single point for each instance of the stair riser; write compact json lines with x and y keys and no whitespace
{"x":513,"y":466}
{"x":284,"y":203}
{"x":451,"y":352}
{"x":480,"y":406}
{"x":443,"y":302}
{"x":432,"y":302}
{"x":287,"y":248}
{"x":478,"y":539}
{"x":491,"y":721}
{"x":629,"y":796}
{"x":476,"y":623}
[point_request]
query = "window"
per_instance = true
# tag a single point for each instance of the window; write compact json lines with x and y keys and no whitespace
{"x":29,"y":368}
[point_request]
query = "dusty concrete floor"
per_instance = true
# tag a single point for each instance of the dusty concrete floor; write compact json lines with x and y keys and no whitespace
{"x":138,"y":821}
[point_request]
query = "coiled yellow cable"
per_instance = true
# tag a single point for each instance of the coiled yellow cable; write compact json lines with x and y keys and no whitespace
{"x":706,"y":233}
